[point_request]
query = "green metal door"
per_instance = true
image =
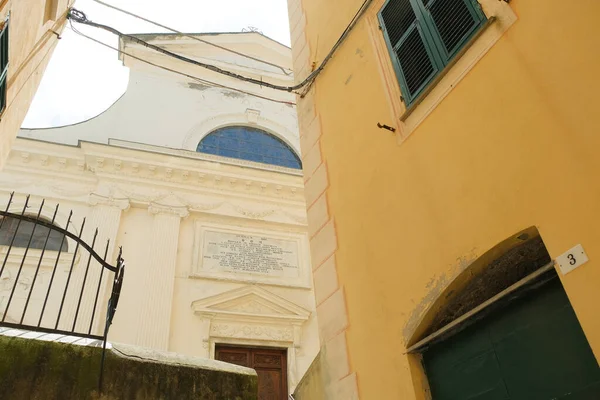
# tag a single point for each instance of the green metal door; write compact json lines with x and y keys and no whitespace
{"x":533,"y":349}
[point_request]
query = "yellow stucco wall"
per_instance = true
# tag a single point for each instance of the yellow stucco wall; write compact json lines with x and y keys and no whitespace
{"x":513,"y":145}
{"x":31,"y":43}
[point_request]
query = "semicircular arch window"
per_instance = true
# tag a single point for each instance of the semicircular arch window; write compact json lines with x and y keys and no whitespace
{"x":28,"y":234}
{"x":252,"y":144}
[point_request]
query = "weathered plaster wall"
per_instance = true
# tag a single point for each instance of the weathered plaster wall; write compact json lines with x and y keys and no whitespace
{"x":35,"y":369}
{"x":31,"y":43}
{"x":399,"y":217}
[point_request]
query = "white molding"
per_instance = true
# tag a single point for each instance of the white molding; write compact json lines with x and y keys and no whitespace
{"x":193,"y":154}
{"x":179,"y":211}
{"x":94,"y":162}
{"x":229,"y":306}
{"x":120,"y":203}
{"x":33,"y":256}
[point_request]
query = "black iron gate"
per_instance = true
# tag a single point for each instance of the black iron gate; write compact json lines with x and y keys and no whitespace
{"x":51,"y":280}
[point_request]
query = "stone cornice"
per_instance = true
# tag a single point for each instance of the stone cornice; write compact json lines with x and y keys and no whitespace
{"x":144,"y":167}
{"x":193,"y":155}
{"x":124,"y":175}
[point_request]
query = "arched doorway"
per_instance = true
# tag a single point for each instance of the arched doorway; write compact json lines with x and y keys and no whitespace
{"x":507,"y":331}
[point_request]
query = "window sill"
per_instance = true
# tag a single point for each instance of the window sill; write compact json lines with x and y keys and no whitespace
{"x":409,"y":110}
{"x":500,"y":18}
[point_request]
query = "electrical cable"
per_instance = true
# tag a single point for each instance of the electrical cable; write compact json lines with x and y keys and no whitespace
{"x":203,"y":81}
{"x":284,"y":70}
{"x":337,"y":44}
{"x":80,"y":17}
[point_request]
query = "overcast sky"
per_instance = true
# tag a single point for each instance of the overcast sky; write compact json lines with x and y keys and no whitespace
{"x":84,"y":78}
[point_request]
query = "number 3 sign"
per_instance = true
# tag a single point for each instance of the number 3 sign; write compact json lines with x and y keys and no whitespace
{"x":572,"y":259}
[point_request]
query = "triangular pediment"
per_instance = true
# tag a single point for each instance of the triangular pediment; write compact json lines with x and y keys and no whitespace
{"x":250,"y":302}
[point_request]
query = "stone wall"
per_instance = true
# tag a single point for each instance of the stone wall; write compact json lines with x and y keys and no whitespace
{"x":35,"y":369}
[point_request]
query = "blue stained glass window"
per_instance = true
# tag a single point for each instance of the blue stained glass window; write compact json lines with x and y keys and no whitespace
{"x":246,"y":143}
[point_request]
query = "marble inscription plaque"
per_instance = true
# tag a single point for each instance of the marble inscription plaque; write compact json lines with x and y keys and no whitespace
{"x":241,"y":253}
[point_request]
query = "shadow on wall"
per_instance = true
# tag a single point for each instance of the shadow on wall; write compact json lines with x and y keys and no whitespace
{"x":312,"y":385}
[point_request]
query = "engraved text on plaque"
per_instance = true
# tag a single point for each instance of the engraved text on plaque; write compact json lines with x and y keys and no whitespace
{"x":241,"y":253}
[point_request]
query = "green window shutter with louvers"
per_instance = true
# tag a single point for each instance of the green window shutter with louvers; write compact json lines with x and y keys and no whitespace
{"x":424,"y":35}
{"x":453,"y":23}
{"x":410,"y":47}
{"x":3,"y":65}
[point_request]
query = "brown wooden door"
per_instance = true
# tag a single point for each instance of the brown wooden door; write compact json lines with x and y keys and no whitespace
{"x":270,"y":365}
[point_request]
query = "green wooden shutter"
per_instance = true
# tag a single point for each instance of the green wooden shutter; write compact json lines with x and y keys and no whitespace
{"x":452,"y":23}
{"x":410,"y":47}
{"x":3,"y":65}
{"x":424,"y":35}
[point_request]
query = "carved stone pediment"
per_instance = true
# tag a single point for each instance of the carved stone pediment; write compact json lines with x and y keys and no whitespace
{"x":250,"y":303}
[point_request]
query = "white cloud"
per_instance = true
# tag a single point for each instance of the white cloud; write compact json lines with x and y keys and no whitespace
{"x":84,"y":78}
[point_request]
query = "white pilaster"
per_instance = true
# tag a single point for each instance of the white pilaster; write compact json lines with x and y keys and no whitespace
{"x":205,"y":335}
{"x":105,"y":215}
{"x":157,"y":290}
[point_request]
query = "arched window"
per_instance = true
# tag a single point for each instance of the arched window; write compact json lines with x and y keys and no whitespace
{"x":9,"y":229}
{"x":246,"y":143}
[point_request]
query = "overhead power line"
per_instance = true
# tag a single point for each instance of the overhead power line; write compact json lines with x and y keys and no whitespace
{"x":284,"y":70}
{"x":80,"y":17}
{"x":203,"y":81}
{"x":337,"y":44}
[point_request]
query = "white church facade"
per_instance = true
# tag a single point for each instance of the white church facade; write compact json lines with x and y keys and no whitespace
{"x":200,"y":182}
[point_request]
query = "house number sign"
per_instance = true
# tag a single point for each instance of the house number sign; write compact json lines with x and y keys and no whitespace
{"x":572,"y":259}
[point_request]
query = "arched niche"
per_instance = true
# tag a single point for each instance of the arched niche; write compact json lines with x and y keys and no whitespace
{"x":25,"y":234}
{"x":501,"y":267}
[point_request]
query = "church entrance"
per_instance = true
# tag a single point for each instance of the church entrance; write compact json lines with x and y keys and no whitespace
{"x":270,"y":365}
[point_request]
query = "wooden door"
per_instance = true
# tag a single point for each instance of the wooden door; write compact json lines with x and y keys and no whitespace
{"x":270,"y":366}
